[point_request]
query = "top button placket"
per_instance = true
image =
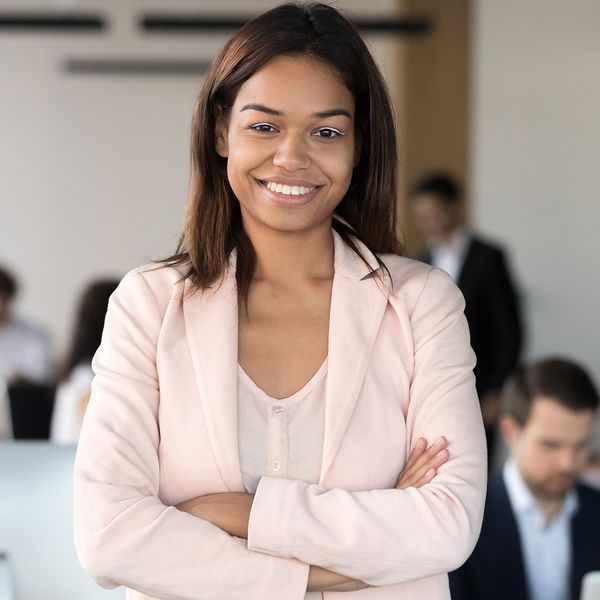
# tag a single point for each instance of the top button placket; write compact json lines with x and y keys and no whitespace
{"x":277,"y":440}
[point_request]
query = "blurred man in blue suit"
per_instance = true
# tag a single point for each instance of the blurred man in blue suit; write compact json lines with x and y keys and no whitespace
{"x":541,"y":527}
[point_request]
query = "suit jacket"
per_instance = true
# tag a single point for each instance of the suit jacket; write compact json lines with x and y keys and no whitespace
{"x":161,"y":428}
{"x":492,"y":312}
{"x":496,"y":571}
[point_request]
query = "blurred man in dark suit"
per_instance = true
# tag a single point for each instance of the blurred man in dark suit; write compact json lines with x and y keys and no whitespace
{"x":541,"y":527}
{"x":479,"y":269}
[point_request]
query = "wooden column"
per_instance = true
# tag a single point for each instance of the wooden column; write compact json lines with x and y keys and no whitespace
{"x":432,"y":100}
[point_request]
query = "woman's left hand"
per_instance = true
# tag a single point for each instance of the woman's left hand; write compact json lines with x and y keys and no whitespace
{"x":423,"y":463}
{"x":230,"y":511}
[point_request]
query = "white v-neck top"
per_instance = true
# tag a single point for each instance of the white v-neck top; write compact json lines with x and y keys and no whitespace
{"x":281,"y":437}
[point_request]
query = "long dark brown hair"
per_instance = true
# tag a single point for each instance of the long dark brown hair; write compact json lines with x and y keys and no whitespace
{"x":213,"y":224}
{"x":88,"y":325}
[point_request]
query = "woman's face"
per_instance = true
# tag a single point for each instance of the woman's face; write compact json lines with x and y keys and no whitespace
{"x":290,"y":145}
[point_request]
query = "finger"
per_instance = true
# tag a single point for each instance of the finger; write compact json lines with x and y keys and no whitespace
{"x":419,"y":481}
{"x":431,"y":473}
{"x":440,"y":458}
{"x":425,"y":460}
{"x":417,"y":451}
{"x":415,"y":475}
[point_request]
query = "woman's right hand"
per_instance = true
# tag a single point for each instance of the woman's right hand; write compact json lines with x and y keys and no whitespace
{"x":423,"y":463}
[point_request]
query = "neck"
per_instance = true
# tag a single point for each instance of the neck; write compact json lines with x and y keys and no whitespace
{"x":445,"y":237}
{"x":550,"y":506}
{"x":292,"y":257}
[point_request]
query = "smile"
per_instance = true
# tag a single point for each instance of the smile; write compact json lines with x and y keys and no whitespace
{"x":288,"y":190}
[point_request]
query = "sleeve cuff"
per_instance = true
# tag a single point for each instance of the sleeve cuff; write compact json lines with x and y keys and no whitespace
{"x":269,"y":523}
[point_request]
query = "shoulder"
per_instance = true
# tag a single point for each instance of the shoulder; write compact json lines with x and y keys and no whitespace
{"x":588,"y":497}
{"x":151,"y":283}
{"x":486,"y":248}
{"x":416,"y":283}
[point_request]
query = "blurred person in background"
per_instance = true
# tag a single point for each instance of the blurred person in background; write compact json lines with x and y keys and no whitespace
{"x":541,"y":526}
{"x":74,"y":387}
{"x":480,"y":271}
{"x":24,"y":349}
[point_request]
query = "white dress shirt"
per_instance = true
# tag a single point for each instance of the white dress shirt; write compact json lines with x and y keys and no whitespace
{"x":24,"y":352}
{"x":450,"y":256}
{"x":546,"y":549}
{"x":67,"y":415}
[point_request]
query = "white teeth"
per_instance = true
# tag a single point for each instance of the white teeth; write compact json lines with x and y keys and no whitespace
{"x":288,"y":190}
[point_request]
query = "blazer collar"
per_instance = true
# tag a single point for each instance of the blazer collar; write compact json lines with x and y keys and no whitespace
{"x":358,"y":303}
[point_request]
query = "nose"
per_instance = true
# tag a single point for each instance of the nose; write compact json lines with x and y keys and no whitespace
{"x":292,"y":153}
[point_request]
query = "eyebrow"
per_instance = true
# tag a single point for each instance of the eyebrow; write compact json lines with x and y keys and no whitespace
{"x":334,"y":112}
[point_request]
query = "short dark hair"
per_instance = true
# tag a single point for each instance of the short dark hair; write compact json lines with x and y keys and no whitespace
{"x":8,"y":284}
{"x":556,"y":378}
{"x":440,"y":184}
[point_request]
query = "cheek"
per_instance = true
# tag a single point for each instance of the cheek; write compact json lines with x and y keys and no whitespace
{"x":535,"y":461}
{"x":338,"y":166}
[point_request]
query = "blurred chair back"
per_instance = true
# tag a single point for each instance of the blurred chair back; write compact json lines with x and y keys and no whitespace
{"x":31,"y":410}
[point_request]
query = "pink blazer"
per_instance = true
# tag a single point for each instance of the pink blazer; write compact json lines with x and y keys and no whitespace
{"x":161,"y":428}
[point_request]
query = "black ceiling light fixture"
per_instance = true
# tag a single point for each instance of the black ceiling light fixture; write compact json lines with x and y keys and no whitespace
{"x":168,"y":23}
{"x":134,"y":66}
{"x":59,"y":22}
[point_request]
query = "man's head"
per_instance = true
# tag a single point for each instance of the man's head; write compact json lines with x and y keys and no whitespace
{"x":547,"y":420}
{"x":436,"y":206}
{"x":8,"y":290}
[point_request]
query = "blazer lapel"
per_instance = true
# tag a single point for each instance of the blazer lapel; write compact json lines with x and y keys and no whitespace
{"x":358,"y":302}
{"x":509,"y":551}
{"x":211,"y":322}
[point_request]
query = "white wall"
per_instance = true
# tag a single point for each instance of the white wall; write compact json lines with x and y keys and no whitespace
{"x":536,"y":161}
{"x":94,"y":169}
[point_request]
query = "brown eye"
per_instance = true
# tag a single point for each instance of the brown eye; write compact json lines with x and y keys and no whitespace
{"x":262,"y":128}
{"x":329,"y":133}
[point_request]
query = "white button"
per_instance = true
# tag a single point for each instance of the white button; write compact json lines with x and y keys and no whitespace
{"x":275,"y":465}
{"x":277,"y":409}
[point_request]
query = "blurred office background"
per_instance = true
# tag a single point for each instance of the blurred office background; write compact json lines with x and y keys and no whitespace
{"x":94,"y":128}
{"x":95,"y":109}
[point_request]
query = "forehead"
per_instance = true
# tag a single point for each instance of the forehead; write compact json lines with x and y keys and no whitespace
{"x":550,"y":419}
{"x":296,"y":83}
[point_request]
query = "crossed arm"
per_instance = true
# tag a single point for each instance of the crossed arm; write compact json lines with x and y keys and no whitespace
{"x":230,"y":511}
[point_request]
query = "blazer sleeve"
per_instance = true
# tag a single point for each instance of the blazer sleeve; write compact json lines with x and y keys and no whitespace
{"x":124,"y":534}
{"x":390,"y":536}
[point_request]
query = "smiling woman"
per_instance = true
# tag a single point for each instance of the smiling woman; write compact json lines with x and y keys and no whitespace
{"x":286,"y":406}
{"x":303,"y":140}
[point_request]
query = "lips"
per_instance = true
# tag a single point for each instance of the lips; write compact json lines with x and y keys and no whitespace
{"x":288,"y":188}
{"x":289,"y":193}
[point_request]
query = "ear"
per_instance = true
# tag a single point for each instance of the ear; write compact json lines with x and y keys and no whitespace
{"x":221,"y":137}
{"x":510,"y":429}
